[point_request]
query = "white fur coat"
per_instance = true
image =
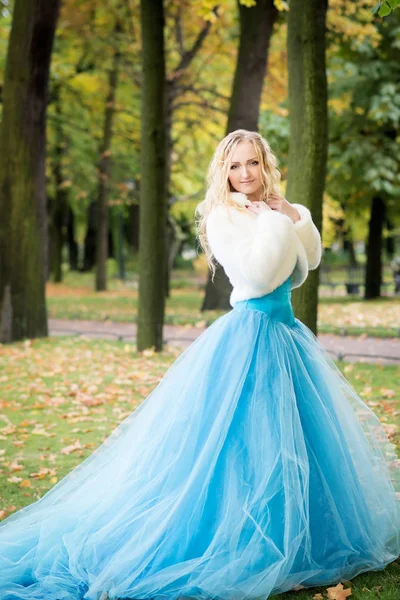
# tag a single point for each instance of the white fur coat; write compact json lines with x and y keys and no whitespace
{"x":259,"y":252}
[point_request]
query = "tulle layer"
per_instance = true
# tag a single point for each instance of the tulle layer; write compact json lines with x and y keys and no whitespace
{"x":251,"y":468}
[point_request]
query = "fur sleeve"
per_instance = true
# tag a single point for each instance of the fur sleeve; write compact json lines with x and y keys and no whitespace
{"x":255,"y":254}
{"x":309,"y":236}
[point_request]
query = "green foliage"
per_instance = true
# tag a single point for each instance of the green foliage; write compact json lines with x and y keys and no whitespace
{"x":364,"y":120}
{"x":385,"y":7}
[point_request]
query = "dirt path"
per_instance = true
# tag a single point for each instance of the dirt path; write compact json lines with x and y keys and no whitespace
{"x":360,"y":349}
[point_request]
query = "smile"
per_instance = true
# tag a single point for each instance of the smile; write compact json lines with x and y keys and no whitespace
{"x":247,"y":182}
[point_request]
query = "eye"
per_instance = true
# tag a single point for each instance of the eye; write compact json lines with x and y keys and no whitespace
{"x":255,"y":162}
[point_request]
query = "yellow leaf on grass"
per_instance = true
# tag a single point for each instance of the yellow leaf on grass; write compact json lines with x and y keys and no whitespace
{"x":14,"y":479}
{"x":71,"y":448}
{"x":387,"y":393}
{"x":338,"y":592}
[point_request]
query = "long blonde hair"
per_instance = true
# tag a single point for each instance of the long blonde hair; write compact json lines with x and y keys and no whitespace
{"x":219,"y":186}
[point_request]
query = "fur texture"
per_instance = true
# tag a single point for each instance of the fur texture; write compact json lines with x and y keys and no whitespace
{"x":259,"y":252}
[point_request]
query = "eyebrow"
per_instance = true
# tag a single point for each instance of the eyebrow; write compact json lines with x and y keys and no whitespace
{"x":238,"y":163}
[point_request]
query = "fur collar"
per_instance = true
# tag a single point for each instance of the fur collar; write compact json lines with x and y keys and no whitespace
{"x":260,"y":251}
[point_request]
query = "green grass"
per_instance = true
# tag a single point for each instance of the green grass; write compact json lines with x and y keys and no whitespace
{"x":378,"y":585}
{"x":62,"y":397}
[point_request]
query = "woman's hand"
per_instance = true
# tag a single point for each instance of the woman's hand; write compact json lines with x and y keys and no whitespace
{"x":257,"y":207}
{"x":279,"y":203}
{"x":275,"y":202}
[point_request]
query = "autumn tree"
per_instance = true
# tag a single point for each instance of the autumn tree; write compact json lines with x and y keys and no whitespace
{"x":153,"y":207}
{"x":364,"y":151}
{"x":256,"y":24}
{"x":102,"y":212}
{"x":308,"y":128}
{"x":23,"y":222}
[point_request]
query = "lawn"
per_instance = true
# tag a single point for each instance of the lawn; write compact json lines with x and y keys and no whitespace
{"x":75,"y":299}
{"x":61,"y":397}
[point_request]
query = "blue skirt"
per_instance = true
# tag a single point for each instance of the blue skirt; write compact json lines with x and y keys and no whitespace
{"x":252,"y":467}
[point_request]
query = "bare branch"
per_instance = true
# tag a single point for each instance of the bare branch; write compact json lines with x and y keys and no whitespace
{"x":203,"y":104}
{"x":189,"y":55}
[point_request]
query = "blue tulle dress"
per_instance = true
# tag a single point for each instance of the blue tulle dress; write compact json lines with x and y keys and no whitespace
{"x":253,"y":467}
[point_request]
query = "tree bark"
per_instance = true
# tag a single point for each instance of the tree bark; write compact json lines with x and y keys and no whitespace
{"x":71,"y":241}
{"x":104,"y":170}
{"x":132,"y":232}
{"x":89,"y":252}
{"x":308,"y":128}
{"x":23,"y":223}
{"x":373,"y":272}
{"x":390,"y":240}
{"x":256,"y":24}
{"x":59,"y":206}
{"x":153,"y":205}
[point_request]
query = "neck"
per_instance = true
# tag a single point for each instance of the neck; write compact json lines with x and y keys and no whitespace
{"x":256,"y":196}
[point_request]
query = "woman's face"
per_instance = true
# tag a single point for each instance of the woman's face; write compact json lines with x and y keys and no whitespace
{"x":245,"y":171}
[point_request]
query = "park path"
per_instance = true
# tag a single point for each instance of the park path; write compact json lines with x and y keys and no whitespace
{"x":351,"y":348}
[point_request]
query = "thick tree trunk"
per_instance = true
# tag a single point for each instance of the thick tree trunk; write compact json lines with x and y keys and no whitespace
{"x":308,"y":128}
{"x":104,"y":172}
{"x":153,"y":207}
{"x":373,"y":273}
{"x":256,"y":24}
{"x":23,"y":223}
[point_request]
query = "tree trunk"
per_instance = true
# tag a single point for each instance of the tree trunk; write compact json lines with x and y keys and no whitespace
{"x":390,"y":240}
{"x":104,"y":171}
{"x":71,"y":241}
{"x":59,"y":206}
{"x":132,"y":232}
{"x":348,"y":246}
{"x":153,"y":206}
{"x":256,"y":24}
{"x":308,"y":128}
{"x":89,"y":251}
{"x":23,"y":223}
{"x":373,"y":273}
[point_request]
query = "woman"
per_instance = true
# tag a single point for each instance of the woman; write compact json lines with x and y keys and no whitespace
{"x":252,"y":468}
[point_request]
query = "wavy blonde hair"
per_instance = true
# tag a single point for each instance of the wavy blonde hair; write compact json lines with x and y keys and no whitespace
{"x":219,"y":186}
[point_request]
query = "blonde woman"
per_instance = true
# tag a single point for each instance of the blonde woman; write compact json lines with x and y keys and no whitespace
{"x":252,"y":468}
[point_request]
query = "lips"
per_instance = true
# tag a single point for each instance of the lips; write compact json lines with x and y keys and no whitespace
{"x":246,"y":182}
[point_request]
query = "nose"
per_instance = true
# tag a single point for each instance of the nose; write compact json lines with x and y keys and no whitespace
{"x":244,"y":171}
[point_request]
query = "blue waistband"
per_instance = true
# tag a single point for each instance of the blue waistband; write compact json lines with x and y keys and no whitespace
{"x":276,"y":304}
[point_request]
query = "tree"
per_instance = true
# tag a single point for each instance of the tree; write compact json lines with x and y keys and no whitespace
{"x":256,"y":24}
{"x":58,"y":206}
{"x":364,"y":149}
{"x":153,"y":206}
{"x":385,"y":7}
{"x":105,"y":163}
{"x":308,"y":128}
{"x":23,"y":224}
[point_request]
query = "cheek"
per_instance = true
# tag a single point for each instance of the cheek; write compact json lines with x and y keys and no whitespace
{"x":232,"y":175}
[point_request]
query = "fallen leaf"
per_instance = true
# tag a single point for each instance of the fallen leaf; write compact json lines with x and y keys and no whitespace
{"x":338,"y":592}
